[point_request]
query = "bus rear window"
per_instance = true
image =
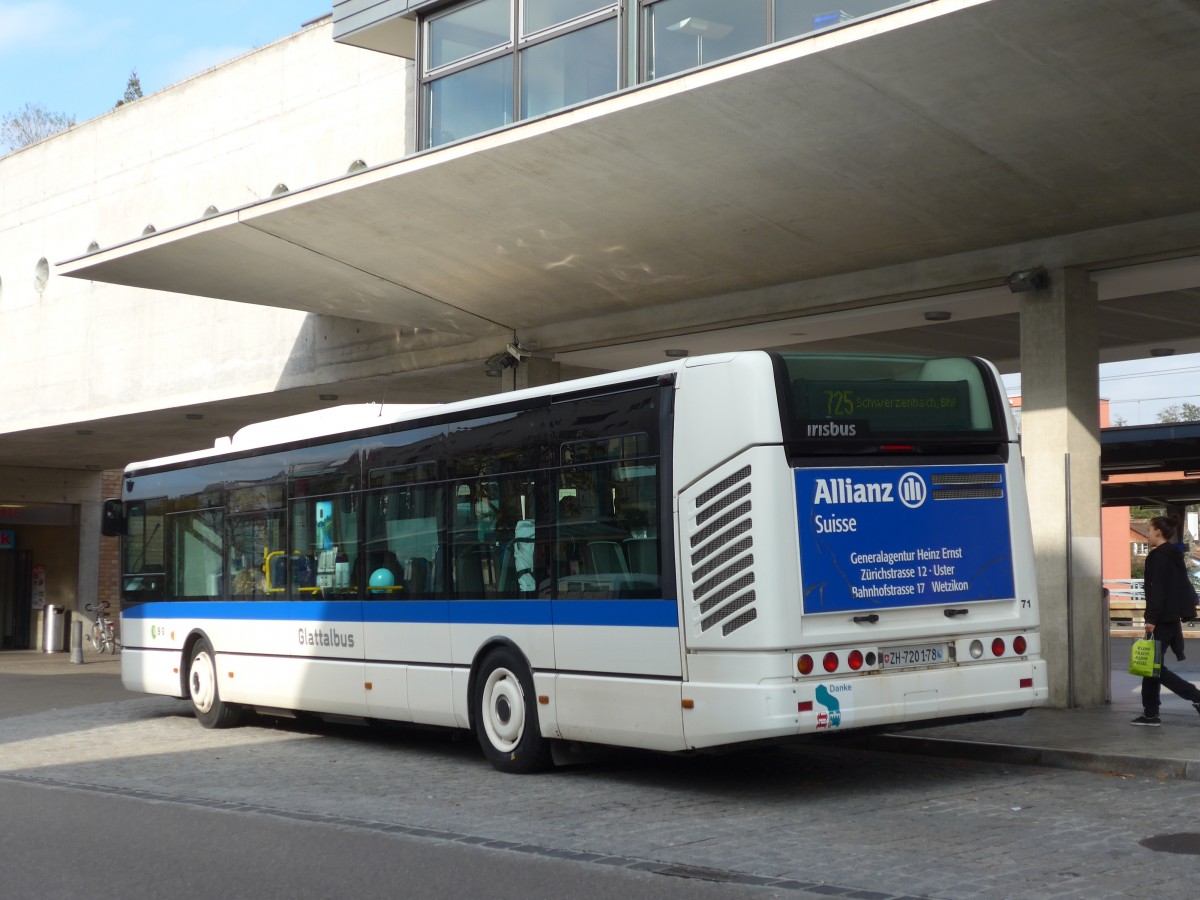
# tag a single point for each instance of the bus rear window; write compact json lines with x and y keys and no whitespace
{"x":854,"y":398}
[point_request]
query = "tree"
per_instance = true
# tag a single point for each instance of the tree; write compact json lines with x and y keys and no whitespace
{"x":133,"y":89}
{"x":30,"y":124}
{"x":1180,"y":412}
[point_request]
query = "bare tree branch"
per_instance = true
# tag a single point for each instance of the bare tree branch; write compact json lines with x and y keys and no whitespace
{"x":30,"y":124}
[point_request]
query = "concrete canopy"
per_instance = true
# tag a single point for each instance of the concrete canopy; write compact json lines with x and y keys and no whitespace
{"x":823,"y":194}
{"x":928,"y":151}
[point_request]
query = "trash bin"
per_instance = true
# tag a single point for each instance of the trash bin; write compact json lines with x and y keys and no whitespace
{"x":53,"y":627}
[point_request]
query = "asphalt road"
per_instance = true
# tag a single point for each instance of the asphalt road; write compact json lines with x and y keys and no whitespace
{"x":133,"y":799}
{"x":66,"y":842}
{"x":22,"y":694}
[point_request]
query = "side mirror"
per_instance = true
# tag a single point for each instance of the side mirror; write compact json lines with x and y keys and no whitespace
{"x":112,"y":521}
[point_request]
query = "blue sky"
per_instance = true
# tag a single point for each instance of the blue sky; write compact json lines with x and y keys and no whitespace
{"x":1138,"y":389}
{"x":75,"y":56}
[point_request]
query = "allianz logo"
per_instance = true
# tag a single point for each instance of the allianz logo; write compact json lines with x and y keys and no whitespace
{"x":909,"y":489}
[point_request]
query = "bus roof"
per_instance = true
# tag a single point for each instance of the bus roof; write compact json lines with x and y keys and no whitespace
{"x":351,"y":418}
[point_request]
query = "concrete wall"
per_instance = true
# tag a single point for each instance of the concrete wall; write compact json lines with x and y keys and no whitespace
{"x":296,"y":112}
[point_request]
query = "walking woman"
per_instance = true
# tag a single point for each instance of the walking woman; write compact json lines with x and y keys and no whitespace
{"x":1169,"y":599}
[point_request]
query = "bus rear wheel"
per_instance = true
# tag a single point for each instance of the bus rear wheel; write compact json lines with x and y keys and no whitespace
{"x":211,"y":710}
{"x":506,"y":716}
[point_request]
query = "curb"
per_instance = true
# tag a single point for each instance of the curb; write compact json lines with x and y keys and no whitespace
{"x":1103,"y":763}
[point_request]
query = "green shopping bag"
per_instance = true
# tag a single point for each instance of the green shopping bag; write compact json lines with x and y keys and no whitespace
{"x":1145,"y":659}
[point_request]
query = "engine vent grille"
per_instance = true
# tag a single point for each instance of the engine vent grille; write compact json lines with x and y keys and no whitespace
{"x":966,"y":486}
{"x":966,"y":478}
{"x":722,"y":556}
{"x":968,"y":494}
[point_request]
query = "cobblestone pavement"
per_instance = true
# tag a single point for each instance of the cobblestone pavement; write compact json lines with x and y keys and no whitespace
{"x":801,"y":819}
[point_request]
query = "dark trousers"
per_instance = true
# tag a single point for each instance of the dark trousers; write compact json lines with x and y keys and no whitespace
{"x":1165,"y":634}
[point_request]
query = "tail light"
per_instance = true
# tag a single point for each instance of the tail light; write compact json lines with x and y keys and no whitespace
{"x":834,"y":662}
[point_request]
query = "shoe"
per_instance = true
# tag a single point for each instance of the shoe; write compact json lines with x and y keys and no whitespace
{"x":1196,"y":707}
{"x":1152,"y":721}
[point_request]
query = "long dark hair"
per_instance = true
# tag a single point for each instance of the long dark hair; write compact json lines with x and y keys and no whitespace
{"x":1168,"y":526}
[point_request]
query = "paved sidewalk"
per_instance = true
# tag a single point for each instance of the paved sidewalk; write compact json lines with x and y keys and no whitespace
{"x":1098,"y":740}
{"x":34,"y":662}
{"x":1094,"y":740}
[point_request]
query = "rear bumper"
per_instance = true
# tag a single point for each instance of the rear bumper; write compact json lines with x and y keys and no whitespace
{"x":726,"y":714}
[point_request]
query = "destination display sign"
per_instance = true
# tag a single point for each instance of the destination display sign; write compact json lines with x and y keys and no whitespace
{"x":886,"y":406}
{"x":875,"y":538}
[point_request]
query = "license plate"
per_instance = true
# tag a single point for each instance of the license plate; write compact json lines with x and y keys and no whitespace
{"x":913,"y":656}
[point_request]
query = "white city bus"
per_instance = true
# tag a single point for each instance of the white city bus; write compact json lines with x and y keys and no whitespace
{"x":710,"y":551}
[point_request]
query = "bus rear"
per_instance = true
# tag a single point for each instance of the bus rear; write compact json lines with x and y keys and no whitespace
{"x":860,"y":552}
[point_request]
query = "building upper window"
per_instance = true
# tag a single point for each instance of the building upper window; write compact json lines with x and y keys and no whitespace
{"x":488,"y":63}
{"x":683,"y":34}
{"x":492,"y":62}
{"x":462,"y":33}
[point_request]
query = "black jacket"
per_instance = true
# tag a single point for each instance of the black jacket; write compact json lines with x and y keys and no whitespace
{"x":1169,"y":593}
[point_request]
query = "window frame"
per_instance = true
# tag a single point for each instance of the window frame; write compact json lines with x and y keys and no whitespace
{"x":514,"y":48}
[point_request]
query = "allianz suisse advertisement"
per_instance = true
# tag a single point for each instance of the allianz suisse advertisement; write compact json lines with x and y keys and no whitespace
{"x":880,"y":538}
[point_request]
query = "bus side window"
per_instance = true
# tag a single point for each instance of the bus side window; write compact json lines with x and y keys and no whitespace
{"x":196,"y":558}
{"x":607,"y":536}
{"x":324,"y":544}
{"x":144,"y":576}
{"x":251,"y":539}
{"x":402,"y":540}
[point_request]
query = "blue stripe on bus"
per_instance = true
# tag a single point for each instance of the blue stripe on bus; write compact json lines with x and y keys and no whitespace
{"x":633,"y":613}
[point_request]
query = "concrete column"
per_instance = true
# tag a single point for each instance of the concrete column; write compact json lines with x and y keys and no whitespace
{"x":88,"y":576}
{"x":1060,"y":435}
{"x":532,"y":372}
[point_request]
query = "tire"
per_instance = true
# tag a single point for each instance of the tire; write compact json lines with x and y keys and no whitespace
{"x":211,"y":710}
{"x":506,"y":715}
{"x":97,"y":639}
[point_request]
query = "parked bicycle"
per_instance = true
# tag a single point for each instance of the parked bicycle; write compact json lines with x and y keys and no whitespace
{"x":103,"y":636}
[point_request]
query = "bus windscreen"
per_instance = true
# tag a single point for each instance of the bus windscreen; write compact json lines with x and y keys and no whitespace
{"x":858,"y":397}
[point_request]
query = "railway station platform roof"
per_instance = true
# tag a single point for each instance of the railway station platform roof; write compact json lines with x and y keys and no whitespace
{"x":1150,"y":464}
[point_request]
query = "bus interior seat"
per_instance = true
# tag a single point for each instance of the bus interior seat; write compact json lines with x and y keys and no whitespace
{"x":516,"y":563}
{"x":507,"y":583}
{"x":643,"y":555}
{"x":417,"y":575}
{"x":470,"y":564}
{"x":304,"y":570}
{"x":438,"y":565}
{"x":277,"y":572}
{"x":608,"y":560}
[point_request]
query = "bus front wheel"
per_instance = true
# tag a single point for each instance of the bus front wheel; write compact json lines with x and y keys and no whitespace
{"x":506,"y":716}
{"x":211,"y":710}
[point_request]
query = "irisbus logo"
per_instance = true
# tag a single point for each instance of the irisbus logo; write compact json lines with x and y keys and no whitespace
{"x":831,"y":429}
